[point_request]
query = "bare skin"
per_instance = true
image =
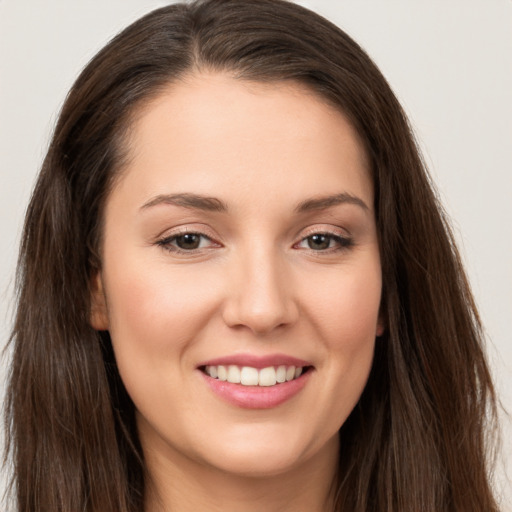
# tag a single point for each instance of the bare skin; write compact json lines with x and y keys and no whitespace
{"x":241,"y":229}
{"x":304,"y":489}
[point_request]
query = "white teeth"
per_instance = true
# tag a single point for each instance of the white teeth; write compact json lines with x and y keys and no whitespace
{"x":212,"y":371}
{"x":233,"y":374}
{"x":267,"y":376}
{"x":249,"y":376}
{"x":222,"y":374}
{"x":281,"y":374}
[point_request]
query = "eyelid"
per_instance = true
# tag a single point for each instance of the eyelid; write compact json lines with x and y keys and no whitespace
{"x":344,"y":239}
{"x":164,"y":240}
{"x":189,"y":228}
{"x":327,"y":229}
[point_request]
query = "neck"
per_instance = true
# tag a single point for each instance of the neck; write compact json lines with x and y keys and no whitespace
{"x":179,"y":484}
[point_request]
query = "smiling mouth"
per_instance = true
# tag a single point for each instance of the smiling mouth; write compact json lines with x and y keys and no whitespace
{"x":250,"y":376}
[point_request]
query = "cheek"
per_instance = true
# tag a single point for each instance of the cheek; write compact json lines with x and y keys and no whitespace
{"x":347,"y":309}
{"x":154,"y":311}
{"x":156,"y":317}
{"x":346,"y":316}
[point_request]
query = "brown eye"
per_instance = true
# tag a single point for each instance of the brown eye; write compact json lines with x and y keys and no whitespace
{"x":319,"y":242}
{"x":325,"y":242}
{"x":188,"y":241}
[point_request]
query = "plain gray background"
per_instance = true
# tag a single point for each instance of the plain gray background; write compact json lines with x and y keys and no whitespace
{"x":449,"y":62}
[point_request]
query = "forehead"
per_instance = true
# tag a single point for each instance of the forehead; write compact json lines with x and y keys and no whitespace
{"x":211,"y":130}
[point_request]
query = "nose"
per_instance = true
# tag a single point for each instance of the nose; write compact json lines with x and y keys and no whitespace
{"x":261,"y":294}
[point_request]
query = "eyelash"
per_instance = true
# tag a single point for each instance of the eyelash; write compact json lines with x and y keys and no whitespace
{"x":167,"y":242}
{"x":342,"y":242}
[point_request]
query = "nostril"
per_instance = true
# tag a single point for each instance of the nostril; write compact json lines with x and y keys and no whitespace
{"x":260,"y":321}
{"x":260,"y":297}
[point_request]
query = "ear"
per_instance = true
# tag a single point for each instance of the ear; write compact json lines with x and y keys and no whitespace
{"x":98,"y":315}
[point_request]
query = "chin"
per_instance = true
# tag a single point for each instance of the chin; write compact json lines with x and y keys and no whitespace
{"x":259,"y":465}
{"x":265,"y":454}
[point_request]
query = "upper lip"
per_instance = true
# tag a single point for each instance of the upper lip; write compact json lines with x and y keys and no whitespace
{"x":256,"y":361}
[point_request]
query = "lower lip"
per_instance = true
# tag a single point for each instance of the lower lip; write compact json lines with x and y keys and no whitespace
{"x":257,"y":397}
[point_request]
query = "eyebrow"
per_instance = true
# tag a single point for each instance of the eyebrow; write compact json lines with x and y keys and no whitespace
{"x":212,"y":204}
{"x":187,"y":200}
{"x":321,"y":203}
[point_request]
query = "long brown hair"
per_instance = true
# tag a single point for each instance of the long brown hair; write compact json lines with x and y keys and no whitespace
{"x":418,"y":438}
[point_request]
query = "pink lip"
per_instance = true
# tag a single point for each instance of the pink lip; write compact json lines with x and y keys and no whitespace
{"x":256,"y":361}
{"x":256,"y":397}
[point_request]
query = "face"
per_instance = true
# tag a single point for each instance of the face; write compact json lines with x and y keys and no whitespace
{"x":241,"y":278}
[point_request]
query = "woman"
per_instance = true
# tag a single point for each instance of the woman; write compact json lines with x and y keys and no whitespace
{"x":237,"y":288}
